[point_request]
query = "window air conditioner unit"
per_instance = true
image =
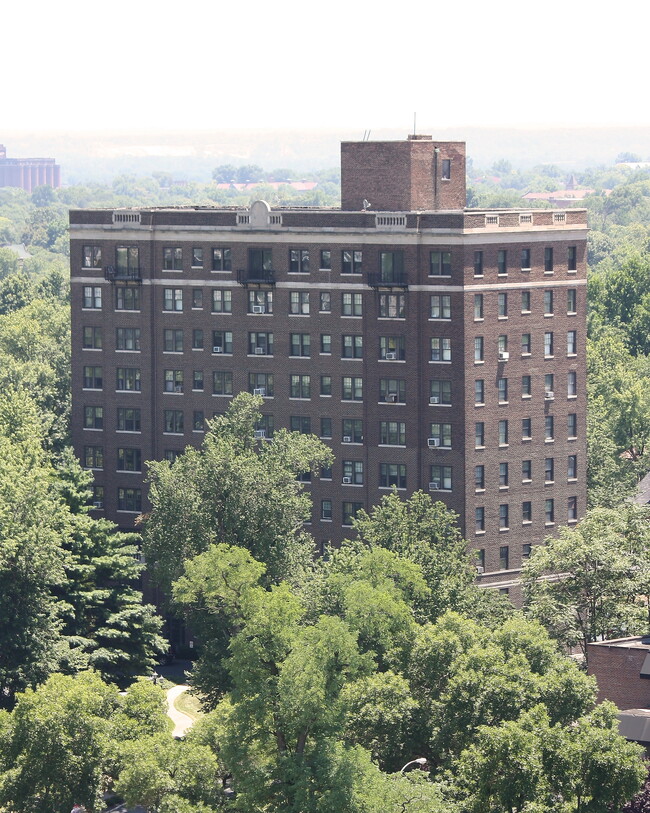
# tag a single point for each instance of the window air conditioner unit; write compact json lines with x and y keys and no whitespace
{"x":260,"y":433}
{"x":480,"y":569}
{"x":259,"y":391}
{"x":392,"y":396}
{"x":258,"y":308}
{"x":433,"y":442}
{"x":434,"y":486}
{"x":217,"y":349}
{"x":98,"y":504}
{"x":347,"y":439}
{"x":178,"y":388}
{"x":347,"y":481}
{"x":391,"y":356}
{"x":435,"y":399}
{"x":503,"y":355}
{"x":549,"y":395}
{"x":259,"y":351}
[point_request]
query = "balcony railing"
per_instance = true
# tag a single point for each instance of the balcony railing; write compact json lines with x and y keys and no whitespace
{"x":113,"y":273}
{"x":252,"y":276}
{"x":382,"y":279}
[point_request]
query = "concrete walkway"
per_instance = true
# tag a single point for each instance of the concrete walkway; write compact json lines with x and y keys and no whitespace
{"x":182,"y":722}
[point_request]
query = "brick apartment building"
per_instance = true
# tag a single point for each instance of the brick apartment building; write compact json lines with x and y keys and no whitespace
{"x":28,"y":173}
{"x":431,"y":346}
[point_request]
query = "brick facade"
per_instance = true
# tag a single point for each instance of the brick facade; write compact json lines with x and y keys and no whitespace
{"x":617,"y":666}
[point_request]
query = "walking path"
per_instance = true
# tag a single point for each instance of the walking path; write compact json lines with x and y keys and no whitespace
{"x":182,"y":722}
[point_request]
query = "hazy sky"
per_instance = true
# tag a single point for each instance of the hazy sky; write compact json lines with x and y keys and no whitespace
{"x":137,"y":64}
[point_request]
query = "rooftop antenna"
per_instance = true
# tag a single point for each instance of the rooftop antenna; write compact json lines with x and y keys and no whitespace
{"x":414,"y":130}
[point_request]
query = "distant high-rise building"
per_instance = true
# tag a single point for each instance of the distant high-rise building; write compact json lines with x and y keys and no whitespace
{"x":28,"y":173}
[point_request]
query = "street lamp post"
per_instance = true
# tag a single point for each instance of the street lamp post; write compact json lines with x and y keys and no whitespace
{"x":421,"y":761}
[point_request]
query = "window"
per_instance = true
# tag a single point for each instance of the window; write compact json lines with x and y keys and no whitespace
{"x":222,"y":259}
{"x":127,"y":298}
{"x":222,"y":382}
{"x":548,"y":303}
{"x":170,"y":455}
{"x":391,"y":265}
{"x":480,"y":560}
{"x":479,"y":478}
{"x":525,"y":301}
{"x":440,"y":264}
{"x":352,"y":388}
{"x":351,"y":262}
{"x":478,"y":306}
{"x":526,"y":471}
{"x":572,"y":467}
{"x":325,"y":302}
{"x":549,"y":511}
{"x":197,"y":257}
{"x":129,"y":460}
{"x":93,"y":417}
{"x":266,"y":424}
{"x":504,"y":553}
{"x":525,"y":259}
{"x":571,"y":300}
{"x":572,"y":425}
{"x":526,"y":428}
{"x":173,"y":341}
{"x":392,"y":474}
{"x":548,"y":260}
{"x":549,"y":430}
{"x":502,"y":262}
{"x":128,"y":419}
{"x":479,"y":434}
{"x":352,"y":430}
{"x":548,"y":344}
{"x":479,"y":520}
{"x":351,"y":347}
{"x":502,"y":344}
{"x":392,"y":433}
{"x":326,"y":427}
{"x":391,"y":348}
{"x":572,"y":258}
{"x":299,"y":302}
{"x":93,"y":378}
{"x":440,"y":434}
{"x":478,"y":263}
{"x":351,"y":304}
{"x":504,"y":524}
{"x":127,"y":260}
{"x":392,"y":390}
{"x":197,"y":380}
{"x":198,"y":421}
{"x":325,"y":259}
{"x":128,"y":379}
{"x":445,"y":173}
{"x":525,"y":344}
{"x":526,"y":386}
{"x":392,"y":306}
{"x":222,"y":301}
{"x":439,"y":391}
{"x":440,"y":478}
{"x":173,"y":259}
{"x":326,"y":510}
{"x":92,"y":257}
{"x":197,"y":339}
{"x":172,"y":299}
{"x":440,"y":349}
{"x":300,"y":344}
{"x":502,"y":389}
{"x":478,"y":348}
{"x":440,"y":306}
{"x":325,"y":343}
{"x":353,"y":472}
{"x":173,"y":381}
{"x":502,"y":303}
{"x":298,"y":261}
{"x":503,"y":475}
{"x":350,"y":510}
{"x":260,"y":344}
{"x":572,"y":509}
{"x":300,"y":423}
{"x":92,"y":338}
{"x":260,"y":301}
{"x":129,"y":499}
{"x":94,"y":457}
{"x":300,"y":386}
{"x":479,"y":391}
{"x":222,"y":341}
{"x":503,"y":433}
{"x":571,"y":342}
{"x":549,"y":388}
{"x":92,"y":297}
{"x":526,"y":517}
{"x":260,"y":384}
{"x":173,"y":421}
{"x":197,"y":298}
{"x":549,"y":470}
{"x":127,"y":338}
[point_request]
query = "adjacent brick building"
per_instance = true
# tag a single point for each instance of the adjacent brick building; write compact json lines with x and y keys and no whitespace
{"x":430,"y":345}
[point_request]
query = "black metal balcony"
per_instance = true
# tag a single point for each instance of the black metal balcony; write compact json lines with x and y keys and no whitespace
{"x":382,"y":279}
{"x":113,"y":273}
{"x":256,"y":276}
